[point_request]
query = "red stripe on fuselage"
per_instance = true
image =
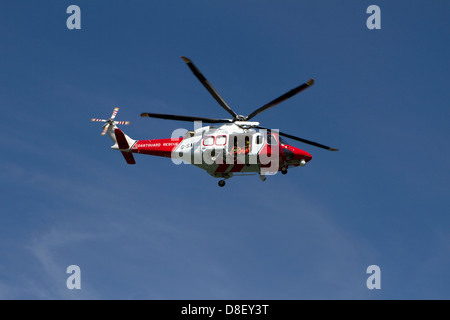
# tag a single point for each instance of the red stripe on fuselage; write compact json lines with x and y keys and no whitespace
{"x":157,"y":147}
{"x":237,"y":167}
{"x":222,"y":168}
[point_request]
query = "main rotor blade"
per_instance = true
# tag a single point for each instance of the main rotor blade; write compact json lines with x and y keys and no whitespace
{"x":303,"y":140}
{"x":184,"y":118}
{"x":281,"y":98}
{"x":209,"y":87}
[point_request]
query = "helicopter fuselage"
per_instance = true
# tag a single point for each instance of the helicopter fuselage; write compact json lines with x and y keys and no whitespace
{"x":226,"y":150}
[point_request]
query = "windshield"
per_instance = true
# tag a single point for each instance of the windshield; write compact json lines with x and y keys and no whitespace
{"x":271,"y":139}
{"x":282,"y":141}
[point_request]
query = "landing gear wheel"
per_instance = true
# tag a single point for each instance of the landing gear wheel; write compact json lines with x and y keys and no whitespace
{"x":284,"y":170}
{"x":221,"y":183}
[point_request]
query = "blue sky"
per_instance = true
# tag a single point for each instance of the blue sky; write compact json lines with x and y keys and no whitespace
{"x":162,"y":231}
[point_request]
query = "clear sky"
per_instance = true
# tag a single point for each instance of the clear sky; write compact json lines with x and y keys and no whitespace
{"x":158,"y":230}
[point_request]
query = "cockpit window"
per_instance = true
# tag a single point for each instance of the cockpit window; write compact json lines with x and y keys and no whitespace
{"x":282,"y":141}
{"x":271,"y":139}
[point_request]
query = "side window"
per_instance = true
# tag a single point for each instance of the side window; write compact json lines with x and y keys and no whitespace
{"x":208,"y":140}
{"x":259,"y":139}
{"x":221,"y":140}
{"x":272,"y":140}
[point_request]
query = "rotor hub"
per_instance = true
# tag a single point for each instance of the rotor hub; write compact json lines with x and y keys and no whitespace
{"x":240,"y":117}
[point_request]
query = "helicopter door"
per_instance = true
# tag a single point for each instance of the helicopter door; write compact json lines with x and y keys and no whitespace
{"x":258,"y":144}
{"x":269,"y":153}
{"x":240,"y":146}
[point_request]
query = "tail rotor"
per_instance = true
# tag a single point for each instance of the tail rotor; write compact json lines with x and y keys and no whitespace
{"x":110,"y":121}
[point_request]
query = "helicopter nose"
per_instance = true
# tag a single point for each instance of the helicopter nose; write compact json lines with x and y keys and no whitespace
{"x":300,"y":154}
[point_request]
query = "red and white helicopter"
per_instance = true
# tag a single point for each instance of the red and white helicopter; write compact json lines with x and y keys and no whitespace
{"x":228,"y":148}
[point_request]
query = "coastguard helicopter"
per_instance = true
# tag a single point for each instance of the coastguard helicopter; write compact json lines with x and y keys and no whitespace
{"x":227,"y":148}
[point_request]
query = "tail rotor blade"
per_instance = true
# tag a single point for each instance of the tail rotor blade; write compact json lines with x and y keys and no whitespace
{"x":114,"y":113}
{"x":105,"y":128}
{"x":99,"y":120}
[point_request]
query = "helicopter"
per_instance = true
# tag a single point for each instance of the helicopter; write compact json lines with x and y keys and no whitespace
{"x":226,"y":147}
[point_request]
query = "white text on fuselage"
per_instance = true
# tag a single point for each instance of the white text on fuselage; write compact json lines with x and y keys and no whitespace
{"x":156,"y":145}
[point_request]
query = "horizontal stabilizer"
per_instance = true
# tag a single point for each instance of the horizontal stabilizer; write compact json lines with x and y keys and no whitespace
{"x":128,"y":157}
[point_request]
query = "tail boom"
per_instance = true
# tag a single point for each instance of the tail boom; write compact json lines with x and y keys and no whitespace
{"x":156,"y":147}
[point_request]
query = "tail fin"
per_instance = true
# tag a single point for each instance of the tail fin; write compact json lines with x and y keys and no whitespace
{"x":123,"y":143}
